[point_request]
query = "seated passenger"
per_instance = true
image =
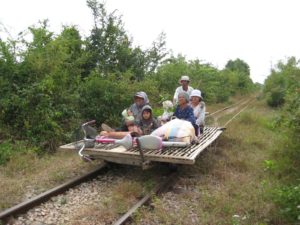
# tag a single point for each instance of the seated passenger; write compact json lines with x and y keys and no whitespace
{"x":128,"y":122}
{"x":148,"y":123}
{"x":166,"y":116}
{"x":184,"y":81}
{"x":128,"y":127}
{"x":198,"y":106}
{"x":140,"y":100}
{"x":135,"y":112}
{"x":184,"y":110}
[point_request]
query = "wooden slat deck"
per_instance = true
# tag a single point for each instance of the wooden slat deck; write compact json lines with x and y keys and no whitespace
{"x":117,"y":153}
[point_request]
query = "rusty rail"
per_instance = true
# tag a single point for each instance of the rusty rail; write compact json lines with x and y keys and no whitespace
{"x":156,"y":190}
{"x":43,"y":197}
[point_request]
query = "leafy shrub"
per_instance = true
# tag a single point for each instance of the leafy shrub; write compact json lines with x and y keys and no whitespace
{"x":6,"y":150}
{"x":275,"y":97}
{"x":48,"y":83}
{"x":104,"y":99}
{"x":282,"y":88}
{"x":9,"y":149}
{"x":204,"y":76}
{"x":292,"y":111}
{"x":288,"y":200}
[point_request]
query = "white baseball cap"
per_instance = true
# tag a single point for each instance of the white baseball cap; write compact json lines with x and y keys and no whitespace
{"x":196,"y":93}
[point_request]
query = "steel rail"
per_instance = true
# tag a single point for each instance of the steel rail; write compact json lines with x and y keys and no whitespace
{"x":223,"y":109}
{"x":43,"y":197}
{"x":164,"y":185}
{"x":156,"y":190}
{"x":232,"y":118}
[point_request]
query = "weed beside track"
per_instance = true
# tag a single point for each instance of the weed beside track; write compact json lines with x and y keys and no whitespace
{"x":229,"y":184}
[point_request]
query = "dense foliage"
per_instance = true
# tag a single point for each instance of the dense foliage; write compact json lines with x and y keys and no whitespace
{"x":50,"y":83}
{"x":282,"y":89}
{"x":205,"y":77}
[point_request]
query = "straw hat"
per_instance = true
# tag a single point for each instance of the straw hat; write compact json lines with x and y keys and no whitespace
{"x":184,"y":78}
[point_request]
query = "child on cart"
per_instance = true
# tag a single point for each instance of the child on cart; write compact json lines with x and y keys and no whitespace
{"x":148,"y":123}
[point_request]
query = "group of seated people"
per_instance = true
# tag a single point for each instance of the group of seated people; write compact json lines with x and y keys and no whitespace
{"x":139,"y":118}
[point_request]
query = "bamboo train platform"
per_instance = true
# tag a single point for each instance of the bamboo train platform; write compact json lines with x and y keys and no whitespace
{"x":133,"y":156}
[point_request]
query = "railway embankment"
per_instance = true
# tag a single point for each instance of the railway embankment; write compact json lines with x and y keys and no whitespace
{"x":230,"y":183}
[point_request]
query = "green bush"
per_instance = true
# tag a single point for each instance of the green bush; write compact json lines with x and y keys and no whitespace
{"x":6,"y":151}
{"x":9,"y":149}
{"x":104,"y":99}
{"x":50,"y":83}
{"x":287,"y":199}
{"x":292,"y":112}
{"x":282,"y":88}
{"x":275,"y":97}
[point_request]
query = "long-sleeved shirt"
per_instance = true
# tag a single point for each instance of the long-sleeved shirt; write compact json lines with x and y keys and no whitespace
{"x":147,"y":126}
{"x":150,"y":124}
{"x":137,"y":112}
{"x":187,"y":113}
{"x":180,"y":89}
{"x":199,"y":113}
{"x":137,"y":109}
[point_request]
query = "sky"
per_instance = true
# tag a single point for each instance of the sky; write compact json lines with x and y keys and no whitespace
{"x":260,"y":32}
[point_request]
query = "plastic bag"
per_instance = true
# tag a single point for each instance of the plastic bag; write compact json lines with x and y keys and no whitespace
{"x":176,"y":130}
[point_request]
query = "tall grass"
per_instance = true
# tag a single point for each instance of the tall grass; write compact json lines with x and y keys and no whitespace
{"x":231,"y":183}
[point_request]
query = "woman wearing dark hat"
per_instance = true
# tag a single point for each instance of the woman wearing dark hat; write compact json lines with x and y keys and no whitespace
{"x":185,"y":111}
{"x":184,"y":81}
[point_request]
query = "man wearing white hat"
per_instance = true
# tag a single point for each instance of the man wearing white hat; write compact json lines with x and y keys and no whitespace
{"x":184,"y":81}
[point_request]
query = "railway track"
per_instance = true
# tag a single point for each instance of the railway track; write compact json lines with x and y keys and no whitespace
{"x":241,"y":101}
{"x":62,"y":205}
{"x":37,"y":215}
{"x":242,"y":105}
{"x":228,"y":110}
{"x":8,"y":215}
{"x":172,"y":176}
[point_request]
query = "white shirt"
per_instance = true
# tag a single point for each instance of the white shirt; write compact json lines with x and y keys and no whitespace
{"x":180,"y":89}
{"x":199,"y":113}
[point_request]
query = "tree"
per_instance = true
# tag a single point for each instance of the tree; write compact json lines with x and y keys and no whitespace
{"x":283,"y":79}
{"x":111,"y":51}
{"x":109,"y":45}
{"x":157,"y":53}
{"x":41,"y":101}
{"x":242,"y":70}
{"x":239,"y":66}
